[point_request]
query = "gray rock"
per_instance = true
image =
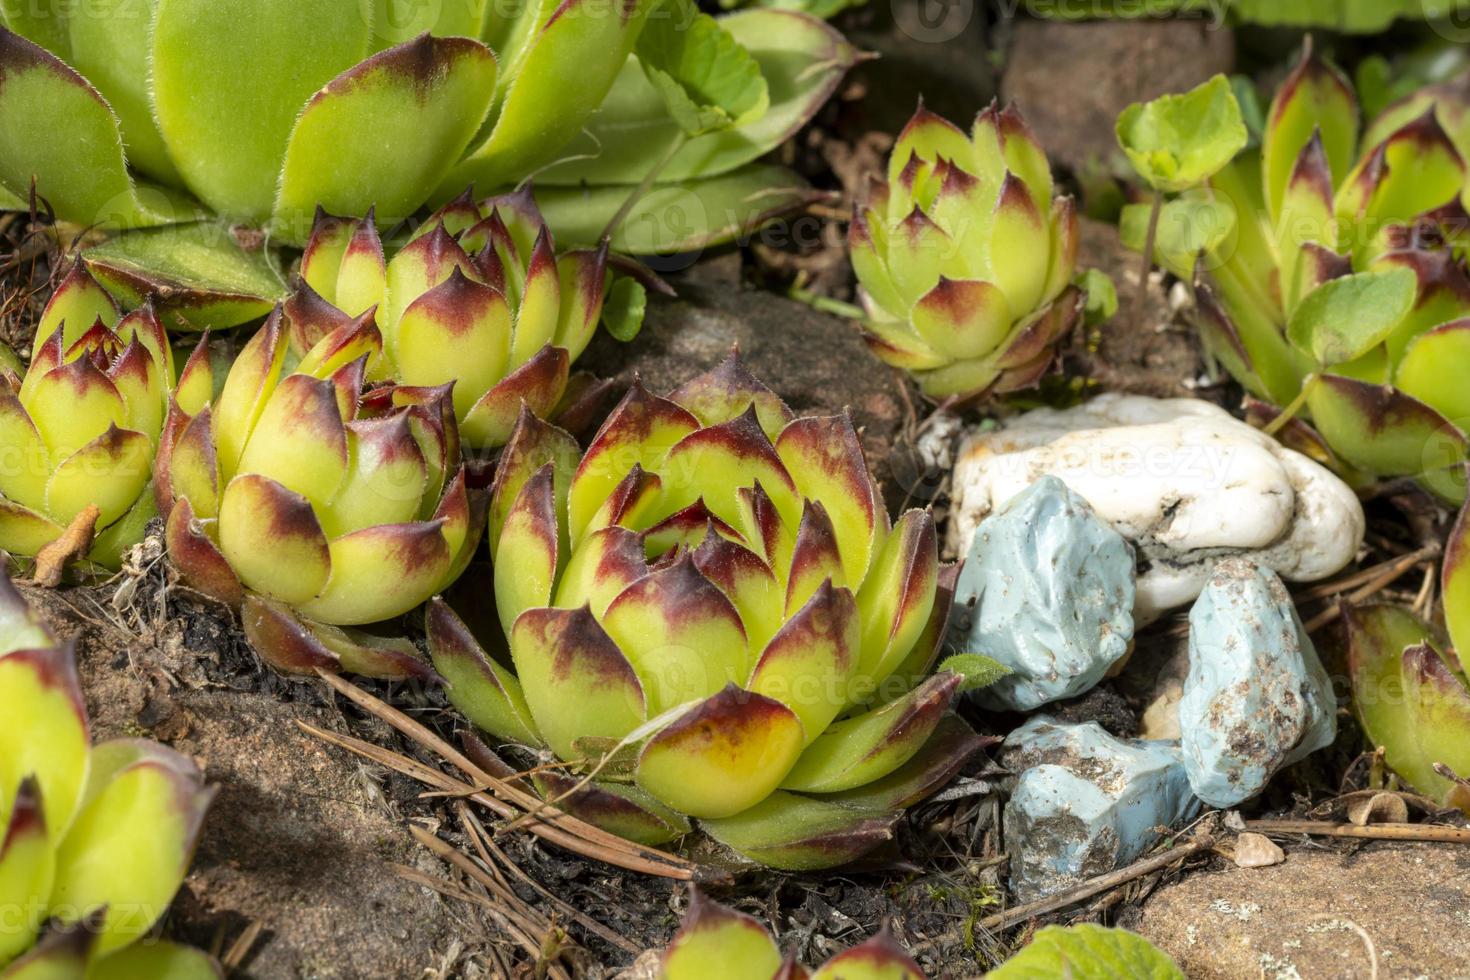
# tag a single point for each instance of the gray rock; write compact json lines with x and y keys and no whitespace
{"x":1046,"y":590}
{"x":1086,"y":802}
{"x":1256,"y":697}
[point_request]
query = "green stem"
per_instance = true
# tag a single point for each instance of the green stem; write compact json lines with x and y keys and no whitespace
{"x":827,"y":304}
{"x":1290,"y":411}
{"x":643,"y":186}
{"x":1148,"y":246}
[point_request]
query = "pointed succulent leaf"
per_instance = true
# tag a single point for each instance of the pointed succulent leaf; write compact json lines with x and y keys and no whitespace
{"x":1345,"y":318}
{"x":807,"y":665}
{"x":717,"y":943}
{"x":1025,"y":157}
{"x":422,"y":101}
{"x":46,"y":732}
{"x":802,"y":60}
{"x":157,"y":961}
{"x":878,"y":958}
{"x":23,"y":482}
{"x":582,"y":282}
{"x":1421,"y":371}
{"x":1386,"y":432}
{"x":1415,"y":170}
{"x":1440,"y":702}
{"x":897,"y":596}
{"x":826,"y":462}
{"x":1178,"y":141}
{"x":815,"y":560}
{"x":20,"y":627}
{"x":282,"y":640}
{"x":1457,"y":589}
{"x":198,"y":274}
{"x":577,"y":682}
{"x":437,"y":330}
{"x":75,"y":305}
{"x":723,"y":756}
{"x":27,"y":869}
{"x":949,"y":747}
{"x":198,"y":557}
{"x":487,"y":693}
{"x":859,"y":750}
{"x":1087,"y":950}
{"x":63,"y":954}
{"x":532,"y":445}
{"x":801,"y":833}
{"x":618,"y":808}
{"x":1019,"y":235}
{"x":963,"y":317}
{"x":381,"y":572}
{"x":229,"y":140}
{"x":714,"y":462}
{"x":727,"y":391}
{"x":526,"y":558}
{"x":273,"y":539}
{"x":537,"y":385}
{"x":111,"y":472}
{"x":707,"y":80}
{"x":1315,"y":102}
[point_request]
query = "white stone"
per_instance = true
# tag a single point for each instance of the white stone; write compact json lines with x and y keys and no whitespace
{"x":1182,"y":479}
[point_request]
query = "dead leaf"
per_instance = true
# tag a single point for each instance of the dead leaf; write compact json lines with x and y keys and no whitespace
{"x":1378,"y":808}
{"x":74,"y":542}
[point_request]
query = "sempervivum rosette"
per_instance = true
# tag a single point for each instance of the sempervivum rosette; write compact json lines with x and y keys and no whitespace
{"x":317,"y":502}
{"x":712,"y":601}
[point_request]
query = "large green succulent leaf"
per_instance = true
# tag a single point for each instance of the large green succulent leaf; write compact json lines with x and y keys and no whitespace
{"x":588,"y":40}
{"x":397,"y":21}
{"x":1178,"y":141}
{"x":1426,"y":370}
{"x":45,"y":734}
{"x":20,"y":629}
{"x":678,"y":217}
{"x":109,"y":46}
{"x":384,"y":132}
{"x":1087,"y":951}
{"x":56,"y":128}
{"x":229,"y":81}
{"x":197,"y":273}
{"x":707,"y":80}
{"x":41,"y":21}
{"x":156,"y":961}
{"x":802,"y":60}
{"x":716,"y":943}
{"x":1345,"y":318}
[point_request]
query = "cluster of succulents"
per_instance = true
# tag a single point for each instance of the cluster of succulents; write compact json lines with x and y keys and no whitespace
{"x":94,"y":839}
{"x":710,"y":611}
{"x":478,"y":297}
{"x":80,"y":429}
{"x":964,"y":259}
{"x":1325,"y":267}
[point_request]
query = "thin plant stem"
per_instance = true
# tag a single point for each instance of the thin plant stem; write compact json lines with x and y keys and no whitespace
{"x":1289,"y":412}
{"x":637,"y":193}
{"x":1148,"y":246}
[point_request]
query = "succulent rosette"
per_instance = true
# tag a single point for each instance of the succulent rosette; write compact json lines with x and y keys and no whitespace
{"x":1327,"y":279}
{"x":94,"y":840}
{"x":478,"y":297}
{"x":713,"y":603}
{"x":964,"y":258}
{"x":716,"y":942}
{"x":81,"y":428}
{"x":314,"y":502}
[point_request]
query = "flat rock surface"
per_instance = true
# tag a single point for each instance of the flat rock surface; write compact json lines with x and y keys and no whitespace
{"x":1301,"y":919}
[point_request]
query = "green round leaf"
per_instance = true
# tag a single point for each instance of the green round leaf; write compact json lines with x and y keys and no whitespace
{"x":708,"y":81}
{"x":1087,"y":951}
{"x":1177,"y":141}
{"x":1345,"y":318}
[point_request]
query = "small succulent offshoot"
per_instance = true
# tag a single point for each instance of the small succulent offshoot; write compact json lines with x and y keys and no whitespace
{"x":718,"y":943}
{"x":478,"y":297}
{"x":964,"y":258}
{"x":94,"y":839}
{"x":313,"y":502}
{"x":710,"y":611}
{"x":81,"y":428}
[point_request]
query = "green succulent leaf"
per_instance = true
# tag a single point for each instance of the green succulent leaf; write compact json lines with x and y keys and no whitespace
{"x":678,"y":217}
{"x":43,"y":22}
{"x":10,"y":361}
{"x":977,"y":670}
{"x":156,"y":961}
{"x":622,"y":311}
{"x":1457,"y":589}
{"x":397,"y":21}
{"x":198,"y":273}
{"x":1190,"y":226}
{"x":383,"y":131}
{"x":802,"y":60}
{"x":708,"y":81}
{"x":229,"y":81}
{"x":1177,"y":141}
{"x":1087,"y":951}
{"x":1345,"y":318}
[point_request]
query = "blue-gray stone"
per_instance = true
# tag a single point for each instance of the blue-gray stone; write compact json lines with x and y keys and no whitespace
{"x":1047,"y":591}
{"x":1256,"y":697}
{"x":1086,"y":802}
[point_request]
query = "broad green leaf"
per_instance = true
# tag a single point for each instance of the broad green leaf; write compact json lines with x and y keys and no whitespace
{"x":55,"y":127}
{"x":707,"y":80}
{"x":384,"y":133}
{"x":1345,"y":318}
{"x":397,"y":21}
{"x":200,"y":277}
{"x":41,"y":21}
{"x":977,"y":670}
{"x":802,"y":61}
{"x":679,"y":217}
{"x":229,"y":80}
{"x":1101,"y":296}
{"x":588,"y":40}
{"x":1177,"y":141}
{"x":1086,"y":952}
{"x":109,"y":46}
{"x":1189,"y":227}
{"x":622,"y":311}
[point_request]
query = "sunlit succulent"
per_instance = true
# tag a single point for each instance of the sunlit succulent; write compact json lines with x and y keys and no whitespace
{"x":302,"y":493}
{"x":1409,"y":682}
{"x":479,"y":297}
{"x":94,"y":840}
{"x":712,"y":600}
{"x":718,"y":943}
{"x":82,"y":427}
{"x":1298,"y":251}
{"x":964,"y":258}
{"x":154,"y":114}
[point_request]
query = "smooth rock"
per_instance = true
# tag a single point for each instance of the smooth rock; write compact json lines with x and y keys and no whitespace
{"x":1181,"y":479}
{"x":1086,"y":802}
{"x":1257,"y":851}
{"x":1256,"y":697}
{"x":1047,"y":591}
